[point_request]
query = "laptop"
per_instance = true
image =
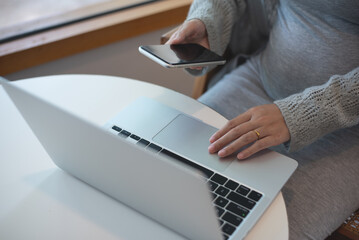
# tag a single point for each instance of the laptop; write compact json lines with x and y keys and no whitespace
{"x":154,"y":159}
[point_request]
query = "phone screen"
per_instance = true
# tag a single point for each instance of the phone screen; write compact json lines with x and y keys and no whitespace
{"x":178,"y":55}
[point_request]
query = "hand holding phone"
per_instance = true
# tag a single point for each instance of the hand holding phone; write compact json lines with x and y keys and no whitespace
{"x":181,"y":55}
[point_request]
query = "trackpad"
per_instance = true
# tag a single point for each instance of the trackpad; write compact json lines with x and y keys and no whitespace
{"x":189,"y":137}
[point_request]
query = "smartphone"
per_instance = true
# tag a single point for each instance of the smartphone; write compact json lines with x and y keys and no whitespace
{"x":181,"y":55}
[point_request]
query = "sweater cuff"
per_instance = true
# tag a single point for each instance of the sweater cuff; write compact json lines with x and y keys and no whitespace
{"x":294,"y":143}
{"x":320,"y":110}
{"x":218,"y":17}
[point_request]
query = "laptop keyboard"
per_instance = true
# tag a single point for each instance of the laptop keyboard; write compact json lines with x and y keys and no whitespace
{"x":232,"y":200}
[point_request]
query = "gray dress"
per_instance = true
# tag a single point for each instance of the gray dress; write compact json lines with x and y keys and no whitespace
{"x":309,"y":68}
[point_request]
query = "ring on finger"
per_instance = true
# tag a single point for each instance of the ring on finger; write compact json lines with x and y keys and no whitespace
{"x":258,"y":134}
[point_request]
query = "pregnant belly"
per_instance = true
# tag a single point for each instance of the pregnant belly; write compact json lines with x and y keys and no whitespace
{"x":300,"y":54}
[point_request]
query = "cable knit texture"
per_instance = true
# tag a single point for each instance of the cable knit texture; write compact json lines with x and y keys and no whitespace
{"x":322,"y":109}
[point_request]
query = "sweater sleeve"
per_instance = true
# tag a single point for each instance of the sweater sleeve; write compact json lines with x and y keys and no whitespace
{"x":320,"y":110}
{"x":218,"y":16}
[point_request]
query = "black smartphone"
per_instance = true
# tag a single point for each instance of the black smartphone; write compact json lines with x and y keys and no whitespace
{"x":181,"y":55}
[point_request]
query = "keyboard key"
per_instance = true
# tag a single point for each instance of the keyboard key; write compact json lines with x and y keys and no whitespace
{"x":214,"y":195}
{"x":143,"y":142}
{"x":243,"y":190}
{"x":255,"y":196}
{"x":243,"y":201}
{"x":219,"y":211}
{"x":118,"y":129}
{"x":236,"y":209}
{"x":124,"y":133}
{"x":154,"y":147}
{"x":231,"y":185}
{"x":225,"y":237}
{"x":221,"y":222}
{"x":212,"y":185}
{"x":208,"y":173}
{"x":220,"y":201}
{"x":231,"y":218}
{"x":133,"y":136}
{"x":222,"y":191}
{"x":219,"y":179}
{"x":228,"y":229}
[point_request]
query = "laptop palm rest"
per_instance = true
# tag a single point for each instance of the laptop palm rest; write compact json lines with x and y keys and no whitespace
{"x":189,"y":137}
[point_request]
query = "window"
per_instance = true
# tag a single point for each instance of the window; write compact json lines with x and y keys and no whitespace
{"x":94,"y":29}
{"x":23,"y":17}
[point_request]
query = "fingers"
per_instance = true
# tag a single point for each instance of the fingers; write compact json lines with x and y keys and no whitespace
{"x":177,"y":38}
{"x":234,"y":126}
{"x":259,"y":128}
{"x":255,"y":147}
{"x":237,"y":143}
{"x":193,"y":31}
{"x":239,"y":132}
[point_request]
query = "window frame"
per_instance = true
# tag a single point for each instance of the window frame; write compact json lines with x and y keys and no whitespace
{"x":78,"y":37}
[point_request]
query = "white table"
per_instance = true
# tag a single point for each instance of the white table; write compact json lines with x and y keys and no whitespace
{"x":40,"y":201}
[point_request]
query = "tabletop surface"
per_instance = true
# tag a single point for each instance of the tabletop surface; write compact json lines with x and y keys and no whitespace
{"x":40,"y":201}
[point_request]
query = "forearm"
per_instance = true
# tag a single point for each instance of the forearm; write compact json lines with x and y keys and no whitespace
{"x":321,"y":109}
{"x":218,"y":17}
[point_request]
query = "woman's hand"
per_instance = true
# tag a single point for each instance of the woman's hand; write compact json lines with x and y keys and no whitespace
{"x":260,"y":127}
{"x":193,"y":31}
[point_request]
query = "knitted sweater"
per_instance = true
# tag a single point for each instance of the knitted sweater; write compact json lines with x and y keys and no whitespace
{"x":310,"y":65}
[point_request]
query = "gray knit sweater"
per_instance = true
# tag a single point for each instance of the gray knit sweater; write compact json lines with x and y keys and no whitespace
{"x":310,"y":65}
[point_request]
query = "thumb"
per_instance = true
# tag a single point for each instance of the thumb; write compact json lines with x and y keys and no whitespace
{"x":176,"y":38}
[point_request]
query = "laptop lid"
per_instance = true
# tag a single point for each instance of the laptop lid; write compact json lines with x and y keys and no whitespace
{"x":140,"y":179}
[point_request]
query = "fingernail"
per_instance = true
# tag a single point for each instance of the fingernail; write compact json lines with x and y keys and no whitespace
{"x":222,"y":153}
{"x":211,"y":139}
{"x":211,"y":148}
{"x":240,"y":156}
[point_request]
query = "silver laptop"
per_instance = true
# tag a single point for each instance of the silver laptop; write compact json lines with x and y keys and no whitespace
{"x":154,"y":159}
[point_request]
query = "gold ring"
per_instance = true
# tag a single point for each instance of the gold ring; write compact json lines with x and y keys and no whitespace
{"x":258,"y":134}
